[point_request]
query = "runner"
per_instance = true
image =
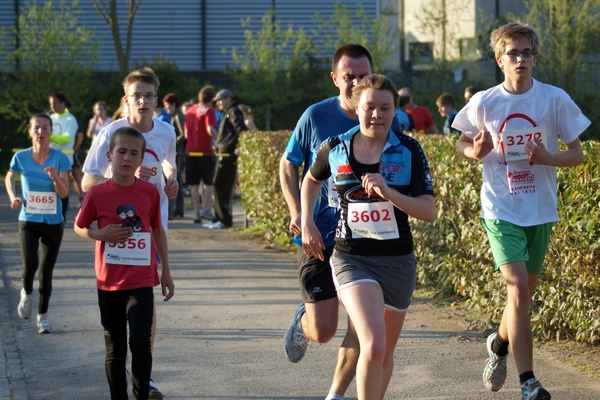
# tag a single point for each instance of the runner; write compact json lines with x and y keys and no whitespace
{"x":44,"y":181}
{"x":382,"y":177}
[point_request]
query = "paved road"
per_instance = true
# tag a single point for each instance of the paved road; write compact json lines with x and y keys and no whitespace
{"x":220,"y":337}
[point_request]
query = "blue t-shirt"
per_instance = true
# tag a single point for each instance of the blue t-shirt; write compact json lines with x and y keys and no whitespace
{"x":403,"y":119}
{"x":163,"y":115}
{"x":448,"y":124}
{"x":319,"y":122}
{"x":35,"y":179}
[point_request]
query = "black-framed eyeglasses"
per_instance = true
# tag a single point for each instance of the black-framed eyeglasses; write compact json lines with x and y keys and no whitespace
{"x":523,"y":54}
{"x":139,"y":96}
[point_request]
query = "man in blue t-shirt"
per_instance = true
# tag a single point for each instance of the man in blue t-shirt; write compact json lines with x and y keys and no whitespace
{"x":317,"y":316}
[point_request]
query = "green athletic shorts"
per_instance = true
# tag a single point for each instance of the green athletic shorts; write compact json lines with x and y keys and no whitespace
{"x":512,"y":243}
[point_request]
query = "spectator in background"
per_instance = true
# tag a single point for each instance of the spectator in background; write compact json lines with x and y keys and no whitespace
{"x":122,"y":111}
{"x":161,"y":115}
{"x":405,"y":120}
{"x":171,"y":106}
{"x":67,"y":135}
{"x":447,"y":108}
{"x":470,"y":91}
{"x":200,"y":130}
{"x":421,"y":116}
{"x":99,"y":121}
{"x":230,"y":129}
{"x":248,"y":118}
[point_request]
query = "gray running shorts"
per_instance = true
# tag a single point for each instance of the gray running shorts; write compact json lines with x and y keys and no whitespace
{"x":396,"y":275}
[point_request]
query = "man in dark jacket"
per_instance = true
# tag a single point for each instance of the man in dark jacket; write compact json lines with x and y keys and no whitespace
{"x":231,"y":126}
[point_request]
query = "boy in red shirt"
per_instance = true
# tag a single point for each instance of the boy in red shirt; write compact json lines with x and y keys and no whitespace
{"x":128,"y":237}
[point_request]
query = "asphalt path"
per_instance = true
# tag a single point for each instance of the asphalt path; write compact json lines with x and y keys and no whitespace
{"x":220,"y":337}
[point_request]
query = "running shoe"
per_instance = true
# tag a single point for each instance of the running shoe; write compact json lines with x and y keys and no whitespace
{"x":532,"y":390}
{"x":294,"y":341}
{"x":154,"y":393}
{"x":43,"y":324}
{"x":25,"y":305}
{"x":217,"y":225}
{"x":197,"y":218}
{"x":207,"y":214}
{"x":494,"y":374}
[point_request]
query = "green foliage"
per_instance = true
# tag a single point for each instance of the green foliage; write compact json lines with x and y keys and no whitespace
{"x":278,"y":73}
{"x":564,"y":28}
{"x":342,"y":27}
{"x":55,"y":53}
{"x":454,"y":254}
{"x":260,"y":153}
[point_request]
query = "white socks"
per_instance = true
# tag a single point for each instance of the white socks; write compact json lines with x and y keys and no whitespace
{"x":333,"y":396}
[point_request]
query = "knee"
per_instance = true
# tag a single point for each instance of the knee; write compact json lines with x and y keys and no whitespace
{"x":323,"y":333}
{"x":518,"y":293}
{"x":373,"y":351}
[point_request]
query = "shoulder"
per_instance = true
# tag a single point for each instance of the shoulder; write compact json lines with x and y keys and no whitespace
{"x":321,"y":107}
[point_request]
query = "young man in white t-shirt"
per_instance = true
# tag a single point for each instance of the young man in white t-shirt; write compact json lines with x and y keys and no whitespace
{"x":141,"y":87}
{"x":514,"y":127}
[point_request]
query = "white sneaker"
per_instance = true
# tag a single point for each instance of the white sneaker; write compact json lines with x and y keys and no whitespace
{"x":25,"y":305}
{"x":217,"y":225}
{"x":494,"y":374}
{"x":155,"y":393}
{"x":43,"y":324}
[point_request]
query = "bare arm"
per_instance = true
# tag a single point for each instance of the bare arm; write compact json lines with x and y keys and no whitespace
{"x":166,"y":281}
{"x":571,"y":157}
{"x":211,"y":130}
{"x":89,"y":180}
{"x":9,"y":183}
{"x":91,"y":126}
{"x":431,"y":129}
{"x":61,"y":181}
{"x":288,"y":176}
{"x":312,"y":241}
{"x":476,"y":148}
{"x":420,"y":207}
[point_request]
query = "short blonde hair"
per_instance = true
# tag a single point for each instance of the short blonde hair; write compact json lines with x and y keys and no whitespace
{"x":145,"y":74}
{"x":511,"y":33}
{"x":377,"y":82}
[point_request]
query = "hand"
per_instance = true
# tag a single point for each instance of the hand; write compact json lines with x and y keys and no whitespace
{"x":167,"y":285}
{"x":312,"y":242}
{"x":374,"y":184}
{"x":295,"y":225}
{"x":482,"y":144}
{"x":52,"y":173}
{"x":113,"y":233}
{"x":171,"y":188}
{"x":143,"y":173}
{"x":16,"y":203}
{"x":538,"y":154}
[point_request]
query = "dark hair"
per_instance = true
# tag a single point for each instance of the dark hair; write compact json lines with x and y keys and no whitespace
{"x":353,"y":51}
{"x":472,"y":89}
{"x":206,"y":94}
{"x":126,"y":131}
{"x":376,"y":82}
{"x":403,"y":100}
{"x":62,"y":98}
{"x":445,"y":99}
{"x":172,"y":98}
{"x":41,"y":115}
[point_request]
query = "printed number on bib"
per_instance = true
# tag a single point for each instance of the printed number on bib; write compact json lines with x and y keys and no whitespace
{"x":515,"y":141}
{"x":157,"y":175}
{"x":41,"y":203}
{"x":134,"y":251}
{"x":373,"y":220}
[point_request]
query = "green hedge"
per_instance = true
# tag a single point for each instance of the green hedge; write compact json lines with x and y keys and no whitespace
{"x":453,"y":252}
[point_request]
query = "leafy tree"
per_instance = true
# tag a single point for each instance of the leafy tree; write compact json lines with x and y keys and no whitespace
{"x":270,"y":61}
{"x":568,"y":30}
{"x":342,"y":27}
{"x":55,"y":53}
{"x":110,"y":16}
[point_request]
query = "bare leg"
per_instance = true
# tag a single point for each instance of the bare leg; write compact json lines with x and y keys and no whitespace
{"x":364,"y":304}
{"x":515,"y":324}
{"x":345,"y":369}
{"x":207,"y":195}
{"x":195,"y":193}
{"x":394,"y":320}
{"x":77,"y":175}
{"x":319,"y":322}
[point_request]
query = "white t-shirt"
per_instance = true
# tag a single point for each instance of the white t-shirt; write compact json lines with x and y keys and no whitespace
{"x":515,"y":191}
{"x":160,"y":151}
{"x":65,"y":124}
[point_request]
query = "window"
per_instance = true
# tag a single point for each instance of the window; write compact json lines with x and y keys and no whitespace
{"x":420,"y":53}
